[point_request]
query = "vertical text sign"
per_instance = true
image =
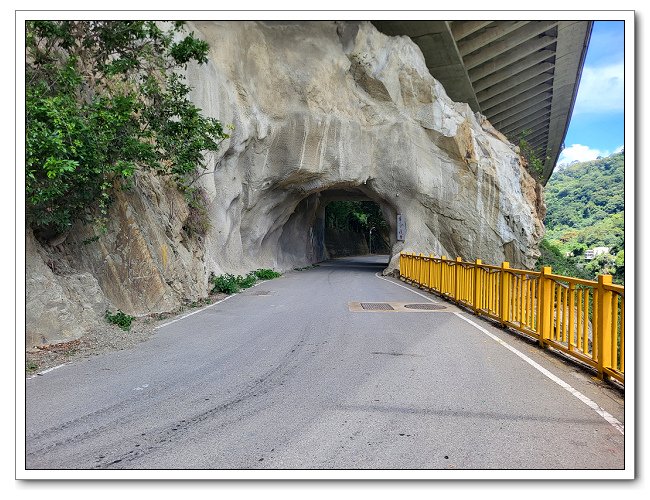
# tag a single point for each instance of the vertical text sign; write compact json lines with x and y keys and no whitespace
{"x":401,"y":227}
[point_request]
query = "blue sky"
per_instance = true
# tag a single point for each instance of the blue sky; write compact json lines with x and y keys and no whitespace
{"x":596,"y":127}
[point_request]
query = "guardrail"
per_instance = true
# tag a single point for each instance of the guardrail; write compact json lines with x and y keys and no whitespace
{"x":584,"y":319}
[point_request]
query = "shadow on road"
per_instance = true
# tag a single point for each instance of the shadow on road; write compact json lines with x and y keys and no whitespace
{"x":371,"y":263}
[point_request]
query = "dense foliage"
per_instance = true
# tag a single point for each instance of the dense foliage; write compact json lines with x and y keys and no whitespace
{"x":553,"y":257}
{"x":585,"y":209}
{"x":357,"y":216}
{"x":104,"y":99}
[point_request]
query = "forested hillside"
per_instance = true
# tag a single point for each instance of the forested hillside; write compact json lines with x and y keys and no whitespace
{"x":585,"y":209}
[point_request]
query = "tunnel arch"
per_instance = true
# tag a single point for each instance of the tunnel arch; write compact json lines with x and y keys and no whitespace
{"x":304,"y":230}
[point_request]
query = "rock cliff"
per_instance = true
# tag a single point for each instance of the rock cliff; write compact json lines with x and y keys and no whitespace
{"x":321,"y":111}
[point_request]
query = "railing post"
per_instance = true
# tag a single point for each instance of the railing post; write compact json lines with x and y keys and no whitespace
{"x":572,"y":317}
{"x":457,"y":282}
{"x":603,"y":330}
{"x":443,"y":288}
{"x":477,"y":286}
{"x":421,"y":273}
{"x":401,"y":259}
{"x":504,"y":296}
{"x":544,"y":307}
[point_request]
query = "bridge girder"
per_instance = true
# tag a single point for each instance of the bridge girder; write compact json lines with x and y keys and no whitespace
{"x":517,"y":73}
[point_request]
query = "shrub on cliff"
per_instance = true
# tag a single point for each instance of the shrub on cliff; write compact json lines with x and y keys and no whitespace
{"x":104,"y":99}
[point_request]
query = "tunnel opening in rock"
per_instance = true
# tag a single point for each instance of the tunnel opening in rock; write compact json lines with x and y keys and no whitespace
{"x":355,"y":228}
{"x":337,"y":222}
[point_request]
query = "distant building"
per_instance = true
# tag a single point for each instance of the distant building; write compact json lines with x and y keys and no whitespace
{"x":592,"y":253}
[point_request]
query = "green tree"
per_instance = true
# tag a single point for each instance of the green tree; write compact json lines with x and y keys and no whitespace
{"x":585,"y":209}
{"x":105,"y":99}
{"x":358,"y":216}
{"x":552,"y":256}
{"x":619,"y":275}
{"x":602,"y":264}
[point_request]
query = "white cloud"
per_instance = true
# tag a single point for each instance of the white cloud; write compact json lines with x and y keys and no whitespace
{"x":578,"y":152}
{"x":601,"y":89}
{"x":618,"y":149}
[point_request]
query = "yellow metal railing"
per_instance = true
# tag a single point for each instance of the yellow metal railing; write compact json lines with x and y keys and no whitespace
{"x":584,"y":319}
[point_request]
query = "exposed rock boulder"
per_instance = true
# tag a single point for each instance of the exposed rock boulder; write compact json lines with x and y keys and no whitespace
{"x":339,"y":107}
{"x":145,"y":262}
{"x":61,"y":304}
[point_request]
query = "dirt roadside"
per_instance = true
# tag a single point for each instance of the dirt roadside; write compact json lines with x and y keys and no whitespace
{"x":104,"y":338}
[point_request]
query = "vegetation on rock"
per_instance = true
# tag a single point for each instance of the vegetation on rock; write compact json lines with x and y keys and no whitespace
{"x":105,"y":99}
{"x":534,"y":160}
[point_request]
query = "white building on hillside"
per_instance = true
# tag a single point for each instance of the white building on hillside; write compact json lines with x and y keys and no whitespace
{"x":594,"y":252}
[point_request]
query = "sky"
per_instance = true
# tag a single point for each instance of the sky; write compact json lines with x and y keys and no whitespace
{"x":596,"y":127}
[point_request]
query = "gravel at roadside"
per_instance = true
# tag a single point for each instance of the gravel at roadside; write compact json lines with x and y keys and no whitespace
{"x":104,"y":338}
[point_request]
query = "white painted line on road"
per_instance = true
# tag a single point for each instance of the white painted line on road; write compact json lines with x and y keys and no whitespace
{"x":410,"y":289}
{"x":194,"y":312}
{"x":206,"y":307}
{"x":48,"y":370}
{"x":591,"y":404}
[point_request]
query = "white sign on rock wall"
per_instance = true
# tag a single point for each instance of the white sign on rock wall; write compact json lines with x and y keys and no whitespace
{"x":401,"y":227}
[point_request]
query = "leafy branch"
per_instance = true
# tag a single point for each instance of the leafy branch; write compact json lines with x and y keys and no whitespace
{"x":104,"y":100}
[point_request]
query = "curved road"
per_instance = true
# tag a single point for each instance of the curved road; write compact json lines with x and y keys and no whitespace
{"x":290,"y":375}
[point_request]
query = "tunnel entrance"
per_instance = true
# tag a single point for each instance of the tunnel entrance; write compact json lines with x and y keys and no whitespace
{"x":337,"y":222}
{"x":355,"y":228}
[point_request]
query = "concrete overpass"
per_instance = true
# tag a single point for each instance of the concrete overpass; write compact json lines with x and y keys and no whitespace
{"x":522,"y":75}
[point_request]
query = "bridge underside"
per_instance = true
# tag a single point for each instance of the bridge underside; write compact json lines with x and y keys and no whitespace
{"x":522,"y":75}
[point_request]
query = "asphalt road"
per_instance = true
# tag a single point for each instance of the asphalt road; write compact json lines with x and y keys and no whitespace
{"x":286,"y":376}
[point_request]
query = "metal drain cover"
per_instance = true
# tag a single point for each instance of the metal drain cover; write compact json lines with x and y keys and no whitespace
{"x":376,"y":306}
{"x":424,"y":307}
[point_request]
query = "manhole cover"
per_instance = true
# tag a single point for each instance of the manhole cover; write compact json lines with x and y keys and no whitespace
{"x":424,"y":307}
{"x":376,"y":306}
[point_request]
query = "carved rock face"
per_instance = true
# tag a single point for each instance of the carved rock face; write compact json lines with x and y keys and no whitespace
{"x":327,"y":110}
{"x":322,"y":111}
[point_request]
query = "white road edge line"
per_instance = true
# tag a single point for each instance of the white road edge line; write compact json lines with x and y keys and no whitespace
{"x":159,"y":326}
{"x":194,"y":312}
{"x":206,"y":307}
{"x":48,"y":370}
{"x":591,"y":404}
{"x":407,"y":287}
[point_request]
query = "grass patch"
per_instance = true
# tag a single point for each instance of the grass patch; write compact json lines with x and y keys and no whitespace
{"x":266,"y":274}
{"x":229,"y":283}
{"x":225,"y":283}
{"x":120,"y":319}
{"x":31,"y":367}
